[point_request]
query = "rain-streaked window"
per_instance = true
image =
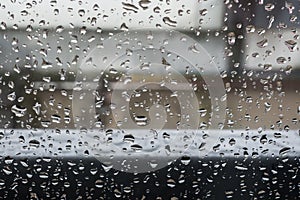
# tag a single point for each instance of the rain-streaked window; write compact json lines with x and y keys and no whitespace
{"x":144,"y":99}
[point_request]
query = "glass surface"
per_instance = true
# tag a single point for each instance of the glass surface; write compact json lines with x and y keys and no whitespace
{"x":127,"y":99}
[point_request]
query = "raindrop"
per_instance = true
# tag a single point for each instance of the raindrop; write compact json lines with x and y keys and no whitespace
{"x":3,"y":25}
{"x":203,"y":12}
{"x":130,"y":7}
{"x":37,"y":108}
{"x":263,"y":139}
{"x":18,"y":110}
{"x":272,"y":19}
{"x":117,"y":193}
{"x":153,"y":164}
{"x":128,"y":138}
{"x":171,"y":183}
{"x":185,"y":160}
{"x":145,"y":66}
{"x":46,"y":64}
{"x":250,"y":29}
{"x":136,"y":147}
{"x":141,"y":120}
{"x":81,"y":12}
{"x":281,"y":60}
{"x":11,"y":96}
{"x":113,"y":71}
{"x":7,"y":170}
{"x":107,"y":167}
{"x":241,"y":168}
{"x":289,"y":6}
{"x":123,"y":27}
{"x":284,"y":150}
{"x":56,"y":118}
{"x":99,"y":183}
{"x":95,"y":7}
{"x":231,"y":38}
{"x":34,"y":143}
{"x":156,"y":9}
{"x":59,"y":29}
{"x":267,"y":106}
{"x":202,"y":112}
{"x":43,"y":175}
{"x":263,"y":43}
{"x":53,"y":3}
{"x":291,"y":44}
{"x":269,"y":7}
{"x":144,"y":4}
{"x":288,"y":70}
{"x":166,"y":135}
{"x":232,"y":141}
{"x":169,"y":22}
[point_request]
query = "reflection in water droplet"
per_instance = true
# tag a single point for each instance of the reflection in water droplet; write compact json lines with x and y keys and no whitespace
{"x":281,"y":60}
{"x":169,"y":22}
{"x":291,"y":44}
{"x":250,"y":29}
{"x":141,"y":120}
{"x":263,"y":43}
{"x":128,"y":138}
{"x":99,"y":183}
{"x":130,"y":7}
{"x":272,"y":19}
{"x":203,"y":12}
{"x":136,"y":147}
{"x":231,"y":38}
{"x":269,"y":6}
{"x":185,"y":160}
{"x":81,"y":12}
{"x":171,"y":183}
{"x":18,"y":110}
{"x":34,"y":143}
{"x":123,"y":27}
{"x":284,"y":150}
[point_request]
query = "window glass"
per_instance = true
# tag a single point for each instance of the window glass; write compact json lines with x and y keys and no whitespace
{"x":140,"y":99}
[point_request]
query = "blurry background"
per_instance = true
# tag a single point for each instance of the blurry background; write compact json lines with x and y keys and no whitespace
{"x":253,"y":43}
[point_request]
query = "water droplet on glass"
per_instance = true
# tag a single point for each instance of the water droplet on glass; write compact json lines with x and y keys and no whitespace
{"x":123,"y":27}
{"x":99,"y":183}
{"x":269,"y":6}
{"x":203,"y":12}
{"x":141,"y":120}
{"x":128,"y":138}
{"x":169,"y":22}
{"x":18,"y":110}
{"x":171,"y":183}
{"x":185,"y":160}
{"x":81,"y":12}
{"x":291,"y":44}
{"x":263,"y":43}
{"x":34,"y":143}
{"x":11,"y":96}
{"x":130,"y":7}
{"x":36,"y":108}
{"x":136,"y":147}
{"x":250,"y":29}
{"x":55,"y":118}
{"x":231,"y":38}
{"x":281,"y":60}
{"x":59,"y":29}
{"x":288,"y":70}
{"x":284,"y":150}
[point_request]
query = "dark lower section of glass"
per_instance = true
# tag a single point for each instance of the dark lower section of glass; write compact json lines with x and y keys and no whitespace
{"x":207,"y":178}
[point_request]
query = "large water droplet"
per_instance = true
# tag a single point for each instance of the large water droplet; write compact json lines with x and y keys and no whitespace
{"x":18,"y":110}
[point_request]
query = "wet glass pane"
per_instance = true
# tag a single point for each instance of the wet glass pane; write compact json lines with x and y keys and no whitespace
{"x":143,"y":99}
